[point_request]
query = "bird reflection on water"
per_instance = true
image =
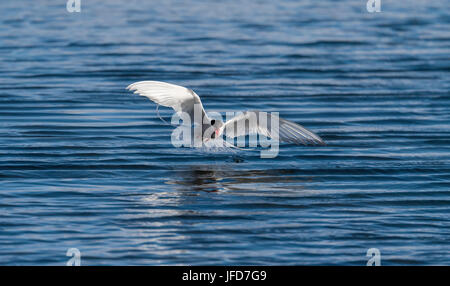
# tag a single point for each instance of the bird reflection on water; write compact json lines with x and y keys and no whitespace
{"x":224,"y":178}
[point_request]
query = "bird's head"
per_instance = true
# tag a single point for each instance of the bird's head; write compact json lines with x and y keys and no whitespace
{"x":217,"y":124}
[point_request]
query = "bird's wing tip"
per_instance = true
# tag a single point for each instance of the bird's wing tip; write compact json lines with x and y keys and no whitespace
{"x":134,"y":85}
{"x":131,"y":86}
{"x":320,"y":142}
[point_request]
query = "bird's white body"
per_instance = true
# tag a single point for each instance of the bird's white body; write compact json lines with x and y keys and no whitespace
{"x":187,"y":102}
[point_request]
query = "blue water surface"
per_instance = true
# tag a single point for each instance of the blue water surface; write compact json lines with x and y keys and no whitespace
{"x":86,"y":164}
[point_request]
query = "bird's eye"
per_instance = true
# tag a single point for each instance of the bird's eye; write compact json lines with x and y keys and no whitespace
{"x":212,"y":122}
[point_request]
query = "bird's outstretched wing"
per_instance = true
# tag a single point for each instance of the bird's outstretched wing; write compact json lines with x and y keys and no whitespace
{"x":252,"y":122}
{"x":181,"y":99}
